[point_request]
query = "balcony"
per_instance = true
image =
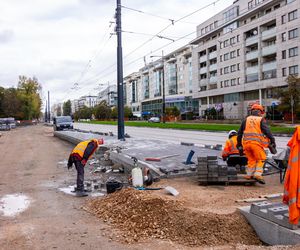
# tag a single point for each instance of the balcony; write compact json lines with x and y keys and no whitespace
{"x":203,"y":70}
{"x":203,"y":59}
{"x":269,"y":50}
{"x":213,"y":79}
{"x":203,"y":82}
{"x":213,"y":67}
{"x":252,"y":70}
{"x":251,"y":40}
{"x":268,"y":33}
{"x":212,"y":55}
{"x":252,"y":55}
{"x":269,"y":66}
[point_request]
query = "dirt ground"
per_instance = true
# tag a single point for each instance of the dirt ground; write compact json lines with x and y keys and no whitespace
{"x":55,"y":220}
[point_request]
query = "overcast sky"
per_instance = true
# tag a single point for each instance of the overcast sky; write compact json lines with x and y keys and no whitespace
{"x":63,"y":42}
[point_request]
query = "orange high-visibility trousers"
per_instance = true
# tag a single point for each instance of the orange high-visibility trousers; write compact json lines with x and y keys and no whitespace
{"x":256,"y":156}
{"x":291,"y":195}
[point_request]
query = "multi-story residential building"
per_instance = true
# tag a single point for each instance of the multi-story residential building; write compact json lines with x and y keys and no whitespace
{"x":242,"y":53}
{"x":74,"y":106}
{"x":108,"y":94}
{"x":170,"y":75}
{"x":132,"y":93}
{"x":88,"y":101}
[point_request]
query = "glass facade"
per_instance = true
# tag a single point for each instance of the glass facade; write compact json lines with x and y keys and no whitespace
{"x":157,"y":83}
{"x":146,"y":93}
{"x":172,"y":79}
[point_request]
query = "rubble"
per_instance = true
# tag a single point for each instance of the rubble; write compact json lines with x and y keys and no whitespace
{"x":141,"y":215}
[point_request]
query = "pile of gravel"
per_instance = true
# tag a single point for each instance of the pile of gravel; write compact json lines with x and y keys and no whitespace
{"x":140,"y":215}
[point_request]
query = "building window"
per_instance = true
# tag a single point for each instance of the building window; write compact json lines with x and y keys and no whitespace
{"x":232,"y":54}
{"x":293,"y":33}
{"x":238,"y":81}
{"x":283,"y":19}
{"x":233,"y":68}
{"x":226,"y":56}
{"x":226,"y":70}
{"x":230,"y":27}
{"x":238,"y":66}
{"x":226,"y":43}
{"x":238,"y":52}
{"x":231,"y":14}
{"x":221,"y":57}
{"x":283,"y":54}
{"x":283,"y":71}
{"x":226,"y":83}
{"x":232,"y":40}
{"x":283,"y":36}
{"x":233,"y":82}
{"x":293,"y":52}
{"x":292,"y":15}
{"x":238,"y":38}
{"x":293,"y":70}
{"x":221,"y":84}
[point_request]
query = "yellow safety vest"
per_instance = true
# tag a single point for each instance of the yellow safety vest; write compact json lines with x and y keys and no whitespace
{"x":80,"y":148}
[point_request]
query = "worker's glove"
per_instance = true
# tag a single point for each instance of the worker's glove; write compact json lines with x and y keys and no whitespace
{"x":70,"y":166}
{"x":83,"y":162}
{"x":241,"y":150}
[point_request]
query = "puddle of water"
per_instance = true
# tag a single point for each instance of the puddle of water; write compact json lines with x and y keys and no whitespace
{"x":13,"y":204}
{"x":68,"y":190}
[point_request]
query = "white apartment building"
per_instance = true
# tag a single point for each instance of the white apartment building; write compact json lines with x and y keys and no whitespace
{"x":108,"y":94}
{"x":132,"y":93}
{"x":74,"y":106}
{"x":88,"y":101}
{"x":173,"y":74}
{"x":242,"y":53}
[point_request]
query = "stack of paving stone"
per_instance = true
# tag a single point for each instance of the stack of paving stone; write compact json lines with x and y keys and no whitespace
{"x":210,"y":170}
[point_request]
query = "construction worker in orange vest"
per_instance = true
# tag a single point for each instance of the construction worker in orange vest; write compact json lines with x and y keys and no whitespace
{"x":79,"y":156}
{"x":291,"y":195}
{"x":230,"y":145}
{"x":253,"y":136}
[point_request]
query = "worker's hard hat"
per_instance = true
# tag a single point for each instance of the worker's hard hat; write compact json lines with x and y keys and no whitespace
{"x":257,"y":107}
{"x":231,"y":133}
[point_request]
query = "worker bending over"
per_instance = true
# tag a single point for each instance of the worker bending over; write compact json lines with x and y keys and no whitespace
{"x":79,"y":156}
{"x":230,"y":145}
{"x":253,"y":136}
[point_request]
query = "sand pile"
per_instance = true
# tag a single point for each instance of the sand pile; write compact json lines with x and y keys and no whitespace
{"x":141,"y":215}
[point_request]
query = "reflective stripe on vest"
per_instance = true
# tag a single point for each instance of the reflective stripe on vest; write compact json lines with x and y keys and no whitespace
{"x":253,"y":133}
{"x":233,"y":149}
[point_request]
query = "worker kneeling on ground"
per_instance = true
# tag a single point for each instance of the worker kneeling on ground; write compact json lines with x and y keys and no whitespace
{"x":253,"y":136}
{"x":230,"y":147}
{"x":79,"y":156}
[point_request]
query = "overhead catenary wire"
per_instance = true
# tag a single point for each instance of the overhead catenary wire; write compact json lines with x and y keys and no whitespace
{"x":155,"y":35}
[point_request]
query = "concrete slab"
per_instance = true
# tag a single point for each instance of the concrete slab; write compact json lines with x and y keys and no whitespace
{"x":269,"y":232}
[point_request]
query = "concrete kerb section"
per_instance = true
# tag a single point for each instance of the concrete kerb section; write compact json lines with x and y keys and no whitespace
{"x":172,"y":157}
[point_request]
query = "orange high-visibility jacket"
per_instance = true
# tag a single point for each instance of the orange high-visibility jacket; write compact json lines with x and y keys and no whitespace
{"x":80,"y":148}
{"x":230,"y":147}
{"x":253,"y":133}
{"x":291,"y":195}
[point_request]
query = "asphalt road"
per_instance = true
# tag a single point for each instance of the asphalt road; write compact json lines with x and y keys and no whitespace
{"x":171,"y":135}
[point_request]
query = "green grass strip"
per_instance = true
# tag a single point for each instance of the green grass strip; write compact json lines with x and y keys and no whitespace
{"x":193,"y":126}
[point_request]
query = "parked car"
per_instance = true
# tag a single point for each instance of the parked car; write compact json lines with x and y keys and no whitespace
{"x":62,"y":122}
{"x":154,"y":119}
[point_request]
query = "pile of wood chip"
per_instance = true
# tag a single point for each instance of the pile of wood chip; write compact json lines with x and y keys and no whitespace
{"x":141,"y":215}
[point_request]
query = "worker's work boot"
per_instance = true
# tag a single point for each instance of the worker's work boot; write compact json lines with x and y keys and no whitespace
{"x":259,"y":179}
{"x":79,"y":193}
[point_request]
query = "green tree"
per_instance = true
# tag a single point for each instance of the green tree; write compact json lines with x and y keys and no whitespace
{"x":11,"y":104}
{"x":28,"y":93}
{"x":2,"y":93}
{"x":128,"y":112}
{"x":102,"y":111}
{"x":290,"y":96}
{"x":114,"y":113}
{"x":67,"y":108}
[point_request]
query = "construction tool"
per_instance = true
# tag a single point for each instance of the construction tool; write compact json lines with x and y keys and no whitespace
{"x":160,"y":158}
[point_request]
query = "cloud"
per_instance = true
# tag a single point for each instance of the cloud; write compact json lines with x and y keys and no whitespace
{"x":6,"y":36}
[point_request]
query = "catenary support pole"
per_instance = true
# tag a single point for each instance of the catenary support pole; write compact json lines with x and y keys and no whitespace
{"x":120,"y":73}
{"x":48,"y":106}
